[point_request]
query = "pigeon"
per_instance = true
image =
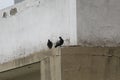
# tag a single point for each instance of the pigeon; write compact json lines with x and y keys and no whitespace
{"x":59,"y":43}
{"x":49,"y":44}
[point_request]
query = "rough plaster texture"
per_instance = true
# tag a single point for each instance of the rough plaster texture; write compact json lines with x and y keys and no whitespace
{"x":45,"y":65}
{"x":28,"y":72}
{"x":98,"y":22}
{"x":86,"y":63}
{"x":34,"y":22}
{"x":66,"y":63}
{"x":31,"y":76}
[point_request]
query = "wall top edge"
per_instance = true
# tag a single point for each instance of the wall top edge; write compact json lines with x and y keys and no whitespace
{"x":21,"y":6}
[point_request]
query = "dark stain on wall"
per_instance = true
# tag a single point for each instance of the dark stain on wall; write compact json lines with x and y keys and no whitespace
{"x":4,"y":15}
{"x":13,"y":11}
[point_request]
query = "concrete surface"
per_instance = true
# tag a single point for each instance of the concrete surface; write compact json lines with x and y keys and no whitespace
{"x":68,"y":63}
{"x":98,"y":22}
{"x":35,"y":57}
{"x":27,"y":72}
{"x":90,"y":63}
{"x":44,"y":65}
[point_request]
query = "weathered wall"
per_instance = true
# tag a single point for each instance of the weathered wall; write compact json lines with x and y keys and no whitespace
{"x":67,"y":63}
{"x":40,"y":66}
{"x":31,"y":76}
{"x":98,"y":22}
{"x":85,"y":63}
{"x":26,"y":27}
{"x":27,"y":72}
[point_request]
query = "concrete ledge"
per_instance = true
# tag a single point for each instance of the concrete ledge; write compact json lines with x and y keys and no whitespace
{"x":95,"y":51}
{"x":75,"y":62}
{"x":35,"y":57}
{"x":76,"y":50}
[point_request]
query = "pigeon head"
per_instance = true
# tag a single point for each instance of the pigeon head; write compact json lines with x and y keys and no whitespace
{"x":48,"y":40}
{"x":60,"y":37}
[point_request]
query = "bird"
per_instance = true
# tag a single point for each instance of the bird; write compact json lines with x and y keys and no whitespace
{"x":49,"y":44}
{"x":59,"y":43}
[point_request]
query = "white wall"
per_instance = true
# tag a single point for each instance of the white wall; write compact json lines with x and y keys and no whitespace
{"x":98,"y":22}
{"x":36,"y":21}
{"x":6,"y":3}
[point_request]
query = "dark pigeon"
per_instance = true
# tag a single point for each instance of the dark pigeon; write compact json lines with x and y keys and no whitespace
{"x":49,"y":44}
{"x":59,"y":43}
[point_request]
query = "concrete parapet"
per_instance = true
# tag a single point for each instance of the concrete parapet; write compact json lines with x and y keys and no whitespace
{"x":66,"y":63}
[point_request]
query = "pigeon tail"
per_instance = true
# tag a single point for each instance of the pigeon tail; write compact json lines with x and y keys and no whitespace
{"x":56,"y":46}
{"x":60,"y":42}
